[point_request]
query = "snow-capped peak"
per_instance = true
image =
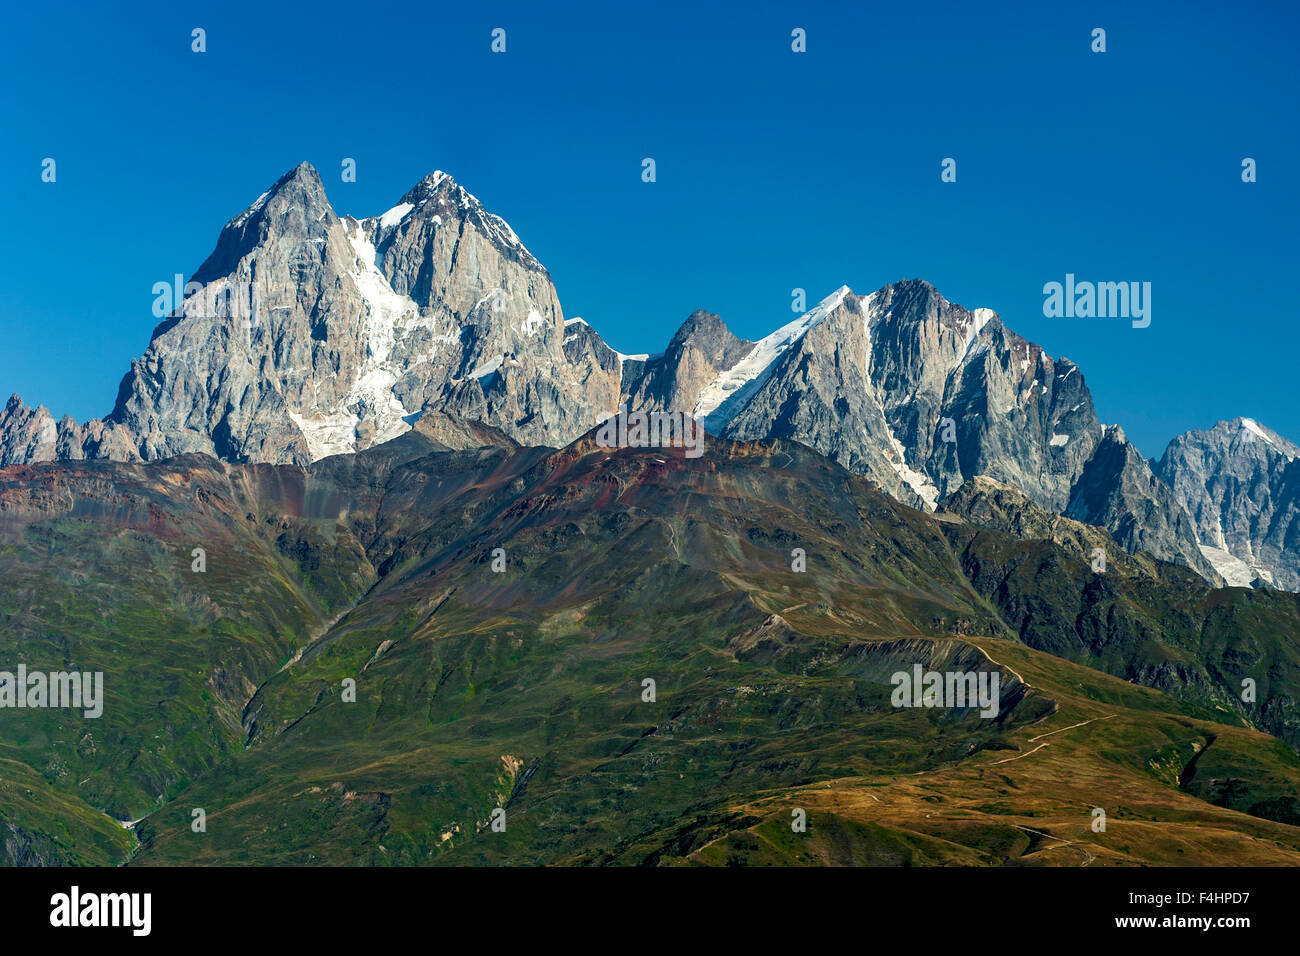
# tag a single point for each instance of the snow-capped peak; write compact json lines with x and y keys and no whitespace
{"x":748,"y":375}
{"x":1253,"y":427}
{"x":1251,"y":430}
{"x":455,"y":197}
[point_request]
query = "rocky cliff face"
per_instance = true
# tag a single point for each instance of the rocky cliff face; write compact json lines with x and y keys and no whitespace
{"x":698,"y":354}
{"x":31,"y":434}
{"x":355,"y":327}
{"x":998,"y":506}
{"x":1240,"y":482}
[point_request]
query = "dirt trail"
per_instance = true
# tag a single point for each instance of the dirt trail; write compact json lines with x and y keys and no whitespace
{"x":1048,"y":734}
{"x":1071,"y":727}
{"x":1087,"y":855}
{"x":1021,"y":756}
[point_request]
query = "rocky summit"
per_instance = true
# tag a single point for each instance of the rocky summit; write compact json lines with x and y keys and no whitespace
{"x":360,"y":327}
{"x":920,"y":394}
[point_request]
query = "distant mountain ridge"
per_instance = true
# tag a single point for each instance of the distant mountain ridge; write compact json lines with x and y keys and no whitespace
{"x":1240,"y":482}
{"x":920,"y":394}
{"x":437,"y":306}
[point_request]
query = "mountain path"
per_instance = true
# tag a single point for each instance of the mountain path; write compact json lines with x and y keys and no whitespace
{"x":1071,"y":727}
{"x":1048,"y":734}
{"x":1088,"y":857}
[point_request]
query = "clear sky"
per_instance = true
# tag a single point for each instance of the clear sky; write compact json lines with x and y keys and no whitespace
{"x":775,"y":169}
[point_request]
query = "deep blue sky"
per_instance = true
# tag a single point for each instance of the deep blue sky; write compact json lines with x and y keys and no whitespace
{"x":775,"y":170}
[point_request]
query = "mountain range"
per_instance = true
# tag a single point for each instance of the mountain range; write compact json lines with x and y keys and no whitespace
{"x":362,"y":326}
{"x":363,"y":581}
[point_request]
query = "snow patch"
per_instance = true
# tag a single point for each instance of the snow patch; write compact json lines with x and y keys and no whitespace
{"x":395,"y":215}
{"x":918,"y":481}
{"x":749,"y":374}
{"x":492,"y":293}
{"x":333,"y":431}
{"x":1235,"y":571}
{"x":1251,"y":426}
{"x":532,"y":323}
{"x":493,"y":226}
{"x":247,"y":214}
{"x":488,"y":367}
{"x":641,"y":357}
{"x":981,"y":318}
{"x":1255,"y":431}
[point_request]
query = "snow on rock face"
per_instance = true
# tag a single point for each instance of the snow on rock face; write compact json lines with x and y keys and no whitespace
{"x":1235,"y":571}
{"x":981,"y":318}
{"x":918,"y":481}
{"x":1250,"y":425}
{"x":327,"y":433}
{"x":248,"y":213}
{"x":386,"y":308}
{"x":750,"y":372}
{"x":487,"y":295}
{"x":370,"y":399}
{"x":921,"y":484}
{"x":488,"y":367}
{"x":623,"y":359}
{"x":533,"y":323}
{"x":1253,"y":430}
{"x":395,"y":215}
{"x":1239,"y":481}
{"x":499,"y":230}
{"x":440,"y":188}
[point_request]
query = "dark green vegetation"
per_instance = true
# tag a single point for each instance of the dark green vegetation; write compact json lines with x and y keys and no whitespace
{"x":523,"y":689}
{"x":1144,"y":620}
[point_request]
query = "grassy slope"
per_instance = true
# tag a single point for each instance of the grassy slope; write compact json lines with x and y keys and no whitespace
{"x":523,"y":689}
{"x":103,"y":582}
{"x":1144,"y":620}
